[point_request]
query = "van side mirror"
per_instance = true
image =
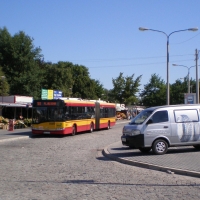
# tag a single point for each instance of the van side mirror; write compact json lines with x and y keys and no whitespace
{"x":150,"y":121}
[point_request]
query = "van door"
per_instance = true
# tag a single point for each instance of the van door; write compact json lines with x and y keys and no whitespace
{"x":157,"y":125}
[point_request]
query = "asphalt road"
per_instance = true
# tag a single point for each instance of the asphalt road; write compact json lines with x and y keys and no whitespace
{"x":73,"y":167}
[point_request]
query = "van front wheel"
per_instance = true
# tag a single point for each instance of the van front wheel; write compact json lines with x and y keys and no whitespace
{"x":160,"y":147}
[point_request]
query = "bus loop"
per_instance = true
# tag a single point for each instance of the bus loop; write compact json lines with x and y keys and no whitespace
{"x":178,"y":160}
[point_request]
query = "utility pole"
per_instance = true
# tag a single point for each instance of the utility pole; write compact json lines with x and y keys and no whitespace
{"x":197,"y":77}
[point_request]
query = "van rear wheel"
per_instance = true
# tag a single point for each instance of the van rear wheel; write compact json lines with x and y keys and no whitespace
{"x":160,"y":147}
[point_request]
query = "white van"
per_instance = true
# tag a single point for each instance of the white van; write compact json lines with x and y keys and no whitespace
{"x":159,"y":128}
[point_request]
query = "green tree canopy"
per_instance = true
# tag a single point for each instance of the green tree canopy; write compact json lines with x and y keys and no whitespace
{"x":125,"y":89}
{"x":179,"y":88}
{"x":58,"y":77}
{"x":154,"y":93}
{"x":19,"y":60}
{"x":4,"y":86}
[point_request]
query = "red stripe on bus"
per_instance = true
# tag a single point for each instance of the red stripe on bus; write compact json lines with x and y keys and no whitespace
{"x":79,"y":104}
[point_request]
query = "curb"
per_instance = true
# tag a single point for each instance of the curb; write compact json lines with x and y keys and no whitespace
{"x":106,"y":153}
{"x":13,"y":139}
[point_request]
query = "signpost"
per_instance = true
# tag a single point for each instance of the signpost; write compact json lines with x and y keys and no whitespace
{"x":51,"y":94}
{"x":190,"y":98}
{"x":44,"y":94}
{"x":57,"y":94}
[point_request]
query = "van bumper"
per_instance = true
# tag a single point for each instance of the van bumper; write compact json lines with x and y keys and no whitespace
{"x":133,"y":141}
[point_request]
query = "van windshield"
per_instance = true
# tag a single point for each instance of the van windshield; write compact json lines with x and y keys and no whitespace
{"x":141,"y":117}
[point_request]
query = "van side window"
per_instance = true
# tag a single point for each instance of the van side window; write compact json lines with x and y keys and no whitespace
{"x":160,"y":116}
{"x":183,"y":115}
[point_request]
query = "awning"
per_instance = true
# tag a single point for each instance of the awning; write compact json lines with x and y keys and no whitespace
{"x":15,"y":105}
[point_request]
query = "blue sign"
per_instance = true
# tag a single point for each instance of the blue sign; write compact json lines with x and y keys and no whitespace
{"x":190,"y":99}
{"x":57,"y":94}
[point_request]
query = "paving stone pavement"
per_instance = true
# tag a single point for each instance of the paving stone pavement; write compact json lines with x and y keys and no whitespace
{"x":181,"y":160}
{"x":73,"y":167}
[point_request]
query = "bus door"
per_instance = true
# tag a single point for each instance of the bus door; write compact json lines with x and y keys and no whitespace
{"x":97,"y":115}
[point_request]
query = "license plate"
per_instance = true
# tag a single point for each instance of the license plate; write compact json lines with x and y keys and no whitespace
{"x":46,"y":132}
{"x":124,"y":139}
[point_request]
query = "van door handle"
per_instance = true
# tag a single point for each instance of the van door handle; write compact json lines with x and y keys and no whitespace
{"x":165,"y":126}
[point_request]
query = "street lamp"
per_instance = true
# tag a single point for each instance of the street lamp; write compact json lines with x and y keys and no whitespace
{"x":167,"y":35}
{"x":187,"y":75}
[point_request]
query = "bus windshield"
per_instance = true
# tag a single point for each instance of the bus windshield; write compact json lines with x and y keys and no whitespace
{"x":56,"y":114}
{"x":141,"y":117}
{"x":48,"y":114}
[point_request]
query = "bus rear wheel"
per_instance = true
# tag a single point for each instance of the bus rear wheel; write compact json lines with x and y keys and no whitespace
{"x":73,"y":130}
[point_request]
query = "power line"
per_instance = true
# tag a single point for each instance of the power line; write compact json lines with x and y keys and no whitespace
{"x":141,"y":64}
{"x":187,"y":40}
{"x":124,"y":59}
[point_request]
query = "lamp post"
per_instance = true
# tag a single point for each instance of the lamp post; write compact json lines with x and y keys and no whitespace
{"x":167,"y":35}
{"x":191,"y":88}
{"x":187,"y":75}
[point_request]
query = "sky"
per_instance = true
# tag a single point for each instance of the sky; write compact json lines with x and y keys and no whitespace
{"x":104,"y":36}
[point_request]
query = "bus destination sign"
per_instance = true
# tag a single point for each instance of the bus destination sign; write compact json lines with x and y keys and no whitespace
{"x":46,"y":103}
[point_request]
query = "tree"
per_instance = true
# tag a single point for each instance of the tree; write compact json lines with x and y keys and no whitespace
{"x":178,"y":89}
{"x":4,"y":86}
{"x":58,"y":77}
{"x":85,"y":87}
{"x":154,"y":93}
{"x":125,"y":89}
{"x":98,"y":89}
{"x":19,"y":60}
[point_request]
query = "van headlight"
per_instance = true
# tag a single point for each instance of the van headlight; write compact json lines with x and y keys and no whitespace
{"x":135,"y":132}
{"x":131,"y":132}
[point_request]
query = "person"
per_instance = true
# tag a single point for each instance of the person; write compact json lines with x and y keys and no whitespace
{"x":128,"y":115}
{"x":133,"y":114}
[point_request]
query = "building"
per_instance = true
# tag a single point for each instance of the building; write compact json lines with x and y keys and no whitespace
{"x":12,"y":107}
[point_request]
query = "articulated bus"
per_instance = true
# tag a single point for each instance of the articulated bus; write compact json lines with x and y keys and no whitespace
{"x":71,"y":116}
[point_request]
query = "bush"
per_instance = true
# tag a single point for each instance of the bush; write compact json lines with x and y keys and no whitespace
{"x":4,"y":120}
